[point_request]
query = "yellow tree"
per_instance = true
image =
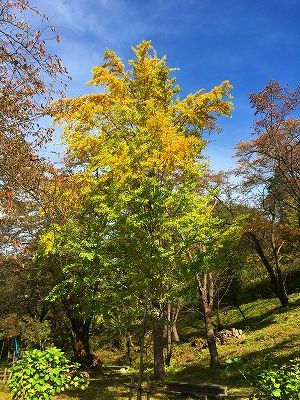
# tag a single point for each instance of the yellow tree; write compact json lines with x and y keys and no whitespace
{"x":139,"y":147}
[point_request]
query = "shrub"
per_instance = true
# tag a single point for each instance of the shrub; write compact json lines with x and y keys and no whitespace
{"x":40,"y":375}
{"x":282,"y":383}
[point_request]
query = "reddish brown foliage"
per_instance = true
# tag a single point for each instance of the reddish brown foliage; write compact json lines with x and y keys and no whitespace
{"x":271,"y":160}
{"x":30,"y":77}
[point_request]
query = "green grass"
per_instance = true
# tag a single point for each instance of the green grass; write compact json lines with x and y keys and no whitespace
{"x":271,"y":336}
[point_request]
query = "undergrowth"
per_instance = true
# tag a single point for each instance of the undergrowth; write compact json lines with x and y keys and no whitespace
{"x":271,"y":336}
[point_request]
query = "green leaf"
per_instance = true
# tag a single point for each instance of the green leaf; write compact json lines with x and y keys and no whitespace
{"x":276,"y":393}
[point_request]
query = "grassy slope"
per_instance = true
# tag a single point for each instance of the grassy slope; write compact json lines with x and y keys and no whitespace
{"x":271,"y":335}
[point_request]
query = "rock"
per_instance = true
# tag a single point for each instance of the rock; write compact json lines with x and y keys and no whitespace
{"x":221,"y":337}
{"x":199,"y":343}
{"x":226,"y":335}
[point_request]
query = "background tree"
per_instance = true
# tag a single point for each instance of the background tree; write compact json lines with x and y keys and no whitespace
{"x":269,"y":165}
{"x":30,"y":77}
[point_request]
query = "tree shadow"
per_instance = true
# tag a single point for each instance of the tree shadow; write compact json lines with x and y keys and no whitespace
{"x":243,"y":375}
{"x":113,"y":387}
{"x":110,"y":387}
{"x":267,"y":318}
{"x":273,"y":355}
{"x":195,"y":373}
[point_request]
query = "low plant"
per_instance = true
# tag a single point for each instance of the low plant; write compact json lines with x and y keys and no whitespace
{"x":280,"y":383}
{"x":273,"y":383}
{"x":40,"y":375}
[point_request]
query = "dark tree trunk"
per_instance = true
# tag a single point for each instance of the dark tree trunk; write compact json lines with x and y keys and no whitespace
{"x":206,"y":294}
{"x":282,"y":295}
{"x":158,"y":351}
{"x":168,"y":336}
{"x":81,"y":340}
{"x":277,"y":282}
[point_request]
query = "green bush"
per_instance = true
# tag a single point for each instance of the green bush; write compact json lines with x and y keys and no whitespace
{"x":40,"y":375}
{"x":282,"y":383}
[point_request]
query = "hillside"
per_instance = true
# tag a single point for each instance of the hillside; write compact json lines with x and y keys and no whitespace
{"x":271,"y":335}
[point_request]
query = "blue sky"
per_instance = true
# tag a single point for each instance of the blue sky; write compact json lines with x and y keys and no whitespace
{"x":247,"y":42}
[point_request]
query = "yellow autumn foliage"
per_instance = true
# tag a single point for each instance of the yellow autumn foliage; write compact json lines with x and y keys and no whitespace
{"x":137,"y":125}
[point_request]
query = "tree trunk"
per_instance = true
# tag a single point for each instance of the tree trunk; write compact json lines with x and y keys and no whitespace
{"x":219,"y":325}
{"x":81,"y":340}
{"x":168,"y":335}
{"x":171,"y":335}
{"x":284,"y":300}
{"x":277,"y":282}
{"x":175,"y":336}
{"x":175,"y":313}
{"x":158,"y":351}
{"x":142,"y":349}
{"x":206,"y":294}
{"x":129,"y":346}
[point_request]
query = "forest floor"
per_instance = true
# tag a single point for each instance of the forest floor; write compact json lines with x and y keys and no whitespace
{"x":271,"y":335}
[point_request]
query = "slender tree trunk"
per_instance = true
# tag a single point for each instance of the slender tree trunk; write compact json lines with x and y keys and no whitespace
{"x":175,"y":336}
{"x":219,"y":325}
{"x":158,"y":350}
{"x":277,"y":282}
{"x":141,"y":367}
{"x":235,"y":299}
{"x":129,"y":345}
{"x":142,"y":349}
{"x":171,"y":334}
{"x":168,"y":335}
{"x":206,"y":294}
{"x":175,"y":313}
